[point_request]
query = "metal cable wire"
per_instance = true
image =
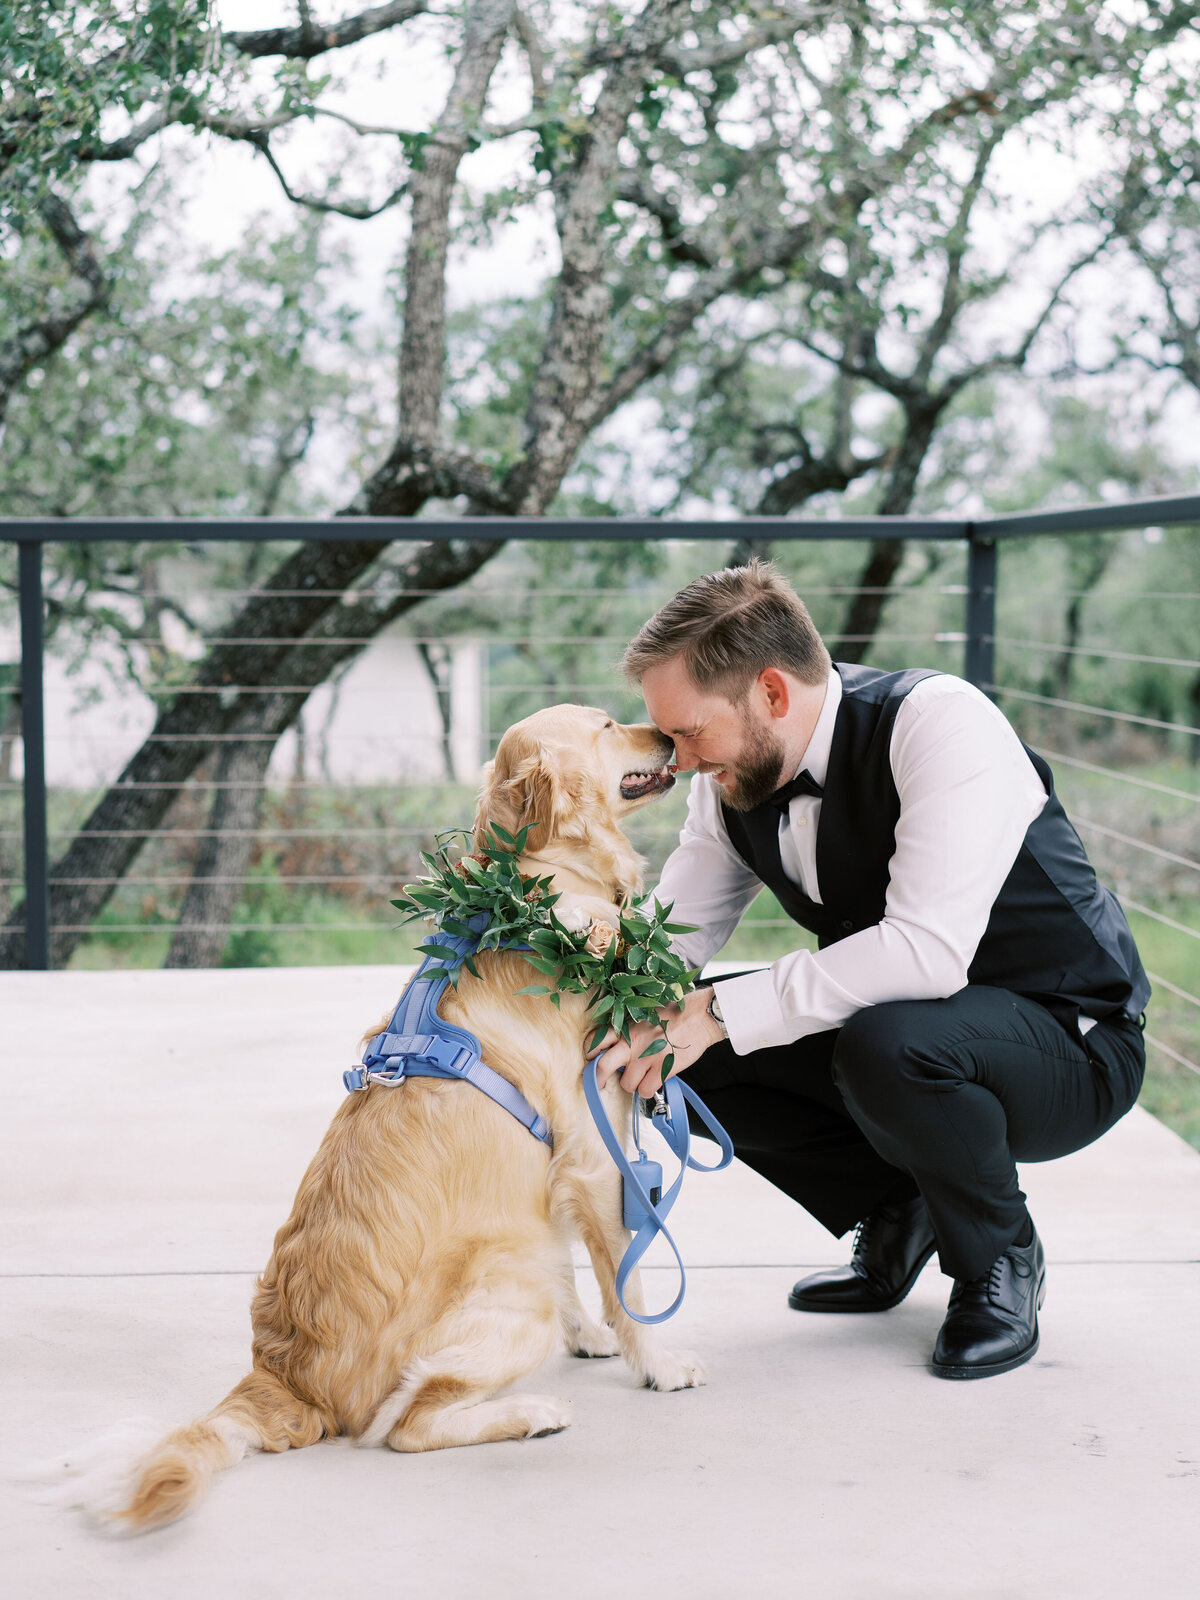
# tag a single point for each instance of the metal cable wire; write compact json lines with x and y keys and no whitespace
{"x":523,"y":593}
{"x":1123,"y":595}
{"x":1110,"y":772}
{"x":226,"y":927}
{"x":617,"y":640}
{"x":1096,"y":711}
{"x":1158,"y":916}
{"x":1093,"y":650}
{"x":1136,"y":844}
{"x":1183,"y":1061}
{"x":1165,"y":983}
{"x":178,"y":882}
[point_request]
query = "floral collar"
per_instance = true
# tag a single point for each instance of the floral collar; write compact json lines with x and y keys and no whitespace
{"x":630,"y":970}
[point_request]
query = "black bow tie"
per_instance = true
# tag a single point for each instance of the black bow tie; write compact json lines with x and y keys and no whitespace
{"x":802,"y":783}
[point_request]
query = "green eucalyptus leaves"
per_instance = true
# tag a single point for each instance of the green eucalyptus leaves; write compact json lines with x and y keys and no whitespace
{"x":630,"y":969}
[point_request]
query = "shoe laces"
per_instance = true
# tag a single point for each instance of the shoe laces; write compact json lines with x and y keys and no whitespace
{"x":986,"y":1285}
{"x":861,"y":1235}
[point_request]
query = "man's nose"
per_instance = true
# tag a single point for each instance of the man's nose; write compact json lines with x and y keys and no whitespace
{"x":685,"y":759}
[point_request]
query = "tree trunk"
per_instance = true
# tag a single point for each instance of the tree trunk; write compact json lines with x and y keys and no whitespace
{"x":883,"y":561}
{"x":1089,"y":558}
{"x":438,"y":661}
{"x":187,"y":731}
{"x":202,"y":930}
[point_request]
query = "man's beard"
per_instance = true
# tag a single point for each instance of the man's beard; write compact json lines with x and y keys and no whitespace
{"x":758,"y":773}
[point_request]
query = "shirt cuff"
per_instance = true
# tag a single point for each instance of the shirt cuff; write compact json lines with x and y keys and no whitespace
{"x":750,"y":1009}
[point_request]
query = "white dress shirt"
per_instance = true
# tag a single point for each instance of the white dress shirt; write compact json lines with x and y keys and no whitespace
{"x":968,"y":792}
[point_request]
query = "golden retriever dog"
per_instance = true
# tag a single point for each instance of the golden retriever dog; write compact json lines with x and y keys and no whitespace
{"x":426,"y":1264}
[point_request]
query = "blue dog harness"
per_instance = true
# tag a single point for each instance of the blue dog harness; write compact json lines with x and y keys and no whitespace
{"x":417,"y":1043}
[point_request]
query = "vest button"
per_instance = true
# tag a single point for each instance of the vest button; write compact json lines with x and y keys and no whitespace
{"x":848,"y":926}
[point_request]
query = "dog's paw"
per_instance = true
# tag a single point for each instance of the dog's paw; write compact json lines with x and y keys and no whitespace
{"x":543,"y":1414}
{"x":594,"y":1340}
{"x":669,"y":1371}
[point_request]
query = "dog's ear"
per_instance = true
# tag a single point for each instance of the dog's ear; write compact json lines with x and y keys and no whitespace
{"x":487,"y":806}
{"x":523,"y":788}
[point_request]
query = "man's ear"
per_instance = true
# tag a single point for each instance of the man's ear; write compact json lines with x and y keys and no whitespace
{"x":775,"y":691}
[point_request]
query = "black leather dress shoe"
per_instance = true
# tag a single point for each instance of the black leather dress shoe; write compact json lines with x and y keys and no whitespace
{"x":992,"y":1324}
{"x":892,"y":1244}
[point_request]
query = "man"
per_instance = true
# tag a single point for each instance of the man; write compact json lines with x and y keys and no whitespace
{"x":975,"y":997}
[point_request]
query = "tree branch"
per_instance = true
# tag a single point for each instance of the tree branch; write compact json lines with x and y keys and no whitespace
{"x":87,"y":288}
{"x":311,"y":39}
{"x":357,"y":210}
{"x":557,"y":417}
{"x":680,"y":316}
{"x":423,"y":343}
{"x":427,"y":472}
{"x":704,"y":58}
{"x":956,"y":248}
{"x":637,"y":192}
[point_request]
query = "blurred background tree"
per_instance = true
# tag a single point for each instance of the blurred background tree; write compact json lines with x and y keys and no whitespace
{"x":782,"y":258}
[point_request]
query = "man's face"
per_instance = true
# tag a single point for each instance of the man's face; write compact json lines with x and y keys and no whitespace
{"x":737,"y":744}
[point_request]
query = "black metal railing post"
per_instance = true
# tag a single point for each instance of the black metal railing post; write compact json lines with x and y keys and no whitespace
{"x":33,"y":745}
{"x":979,"y":656}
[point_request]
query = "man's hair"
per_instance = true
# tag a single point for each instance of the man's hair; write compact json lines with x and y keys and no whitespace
{"x":728,"y":627}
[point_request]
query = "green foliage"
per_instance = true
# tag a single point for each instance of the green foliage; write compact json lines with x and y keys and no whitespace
{"x":195,"y":391}
{"x":64,"y":67}
{"x":629,"y":971}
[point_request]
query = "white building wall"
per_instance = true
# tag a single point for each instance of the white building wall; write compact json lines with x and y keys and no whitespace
{"x":378,"y":723}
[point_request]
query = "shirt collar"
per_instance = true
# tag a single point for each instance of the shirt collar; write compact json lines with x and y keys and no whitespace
{"x":815,"y":760}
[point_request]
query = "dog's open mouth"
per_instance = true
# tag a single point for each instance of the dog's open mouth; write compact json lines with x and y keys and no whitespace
{"x":638,"y":785}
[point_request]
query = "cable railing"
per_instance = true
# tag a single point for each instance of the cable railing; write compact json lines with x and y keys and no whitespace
{"x":360,"y":783}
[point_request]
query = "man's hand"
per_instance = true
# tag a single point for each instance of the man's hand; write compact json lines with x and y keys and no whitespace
{"x":689,"y":1030}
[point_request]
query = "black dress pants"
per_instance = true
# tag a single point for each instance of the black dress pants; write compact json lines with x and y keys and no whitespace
{"x":937,"y":1097}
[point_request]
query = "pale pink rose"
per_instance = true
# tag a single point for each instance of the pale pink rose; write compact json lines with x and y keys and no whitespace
{"x":600,"y":936}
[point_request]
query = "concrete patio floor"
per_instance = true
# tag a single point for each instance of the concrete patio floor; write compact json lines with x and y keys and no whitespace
{"x":154,"y":1126}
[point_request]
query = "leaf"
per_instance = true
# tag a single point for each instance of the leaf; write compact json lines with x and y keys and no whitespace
{"x":444,"y":951}
{"x":656,"y":1048}
{"x":534,"y":988}
{"x":424,"y":897}
{"x":668,"y":1063}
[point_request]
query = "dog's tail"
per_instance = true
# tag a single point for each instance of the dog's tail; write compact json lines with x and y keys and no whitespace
{"x":160,"y":1485}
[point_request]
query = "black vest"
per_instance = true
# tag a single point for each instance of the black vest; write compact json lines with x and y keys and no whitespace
{"x":1054,"y":934}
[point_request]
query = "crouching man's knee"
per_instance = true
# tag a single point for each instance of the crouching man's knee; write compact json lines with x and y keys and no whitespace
{"x":883,"y":1054}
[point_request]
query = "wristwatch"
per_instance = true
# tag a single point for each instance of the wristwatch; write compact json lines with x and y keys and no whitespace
{"x":714,"y":1011}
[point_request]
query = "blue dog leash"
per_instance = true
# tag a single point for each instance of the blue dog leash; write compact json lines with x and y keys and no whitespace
{"x":645,"y":1214}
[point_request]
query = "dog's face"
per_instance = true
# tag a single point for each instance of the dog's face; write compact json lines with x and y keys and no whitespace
{"x":569,"y":769}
